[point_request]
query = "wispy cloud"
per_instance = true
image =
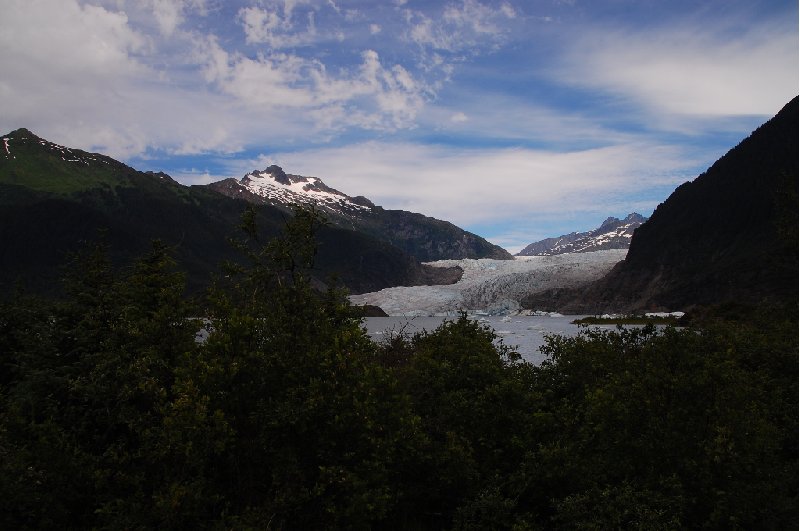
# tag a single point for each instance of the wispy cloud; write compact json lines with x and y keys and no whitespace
{"x":459,"y":27}
{"x":688,"y":71}
{"x":475,"y":111}
{"x":478,"y":186}
{"x":276,"y":26}
{"x":64,"y":61}
{"x":370,"y":96}
{"x":446,"y":35}
{"x":170,"y":14}
{"x":114,"y":89}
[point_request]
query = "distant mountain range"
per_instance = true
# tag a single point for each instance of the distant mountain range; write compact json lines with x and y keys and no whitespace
{"x":731,"y":235}
{"x":613,"y":233}
{"x":54,"y":198}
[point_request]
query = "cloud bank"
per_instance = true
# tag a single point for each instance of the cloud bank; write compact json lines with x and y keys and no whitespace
{"x":504,"y":116}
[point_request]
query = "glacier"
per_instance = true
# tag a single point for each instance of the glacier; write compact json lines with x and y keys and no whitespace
{"x":493,"y":287}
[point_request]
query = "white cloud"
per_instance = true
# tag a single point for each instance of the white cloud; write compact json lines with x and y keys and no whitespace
{"x":518,"y":121}
{"x":75,"y":40}
{"x":476,"y":17}
{"x":470,"y":187}
{"x":259,"y":23}
{"x":91,"y":77}
{"x":689,"y":70}
{"x":452,"y":34}
{"x":374,"y":29}
{"x":371,"y":96}
{"x":461,"y":27}
{"x":62,"y":62}
{"x":168,"y":13}
{"x":80,"y":75}
{"x":275,"y":26}
{"x":508,"y":10}
{"x":266,"y":81}
{"x":132,"y":77}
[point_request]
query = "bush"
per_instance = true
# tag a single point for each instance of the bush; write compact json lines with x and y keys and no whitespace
{"x":288,"y":416}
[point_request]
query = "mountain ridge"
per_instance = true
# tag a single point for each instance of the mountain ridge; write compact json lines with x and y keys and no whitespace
{"x":728,"y":236}
{"x":613,"y":233}
{"x":426,"y":238}
{"x":54,"y":199}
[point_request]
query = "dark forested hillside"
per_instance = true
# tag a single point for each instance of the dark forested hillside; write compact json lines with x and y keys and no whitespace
{"x":54,"y":199}
{"x":287,"y":415}
{"x":427,"y":238}
{"x":729,"y":235}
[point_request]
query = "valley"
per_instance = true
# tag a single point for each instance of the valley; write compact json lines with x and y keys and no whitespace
{"x":404,"y":265}
{"x":728,"y":235}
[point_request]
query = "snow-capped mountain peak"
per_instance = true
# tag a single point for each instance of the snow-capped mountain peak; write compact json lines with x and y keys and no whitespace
{"x":277,"y":187}
{"x":613,"y":233}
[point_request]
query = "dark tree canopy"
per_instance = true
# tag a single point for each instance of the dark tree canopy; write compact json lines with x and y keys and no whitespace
{"x":113,"y":415}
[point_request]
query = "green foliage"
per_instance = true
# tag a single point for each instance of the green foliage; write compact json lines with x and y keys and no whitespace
{"x":89,"y":382}
{"x":627,"y":320}
{"x":689,"y":426}
{"x":288,"y":416}
{"x":473,"y":400}
{"x":50,"y":168}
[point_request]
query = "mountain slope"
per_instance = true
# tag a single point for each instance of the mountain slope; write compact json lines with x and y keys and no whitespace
{"x":423,"y":237}
{"x":729,"y":235}
{"x":613,"y":233}
{"x":53,"y":199}
{"x":37,"y":164}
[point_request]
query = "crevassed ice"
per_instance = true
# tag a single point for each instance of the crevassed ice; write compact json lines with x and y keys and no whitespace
{"x":493,"y":286}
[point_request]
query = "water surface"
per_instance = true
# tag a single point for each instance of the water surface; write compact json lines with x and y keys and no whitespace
{"x":524,"y":333}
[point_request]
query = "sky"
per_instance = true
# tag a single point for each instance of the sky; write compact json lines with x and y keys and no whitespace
{"x":514,"y":119}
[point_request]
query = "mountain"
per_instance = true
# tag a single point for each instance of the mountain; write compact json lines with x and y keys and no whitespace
{"x":730,"y":235}
{"x":53,"y":199}
{"x":274,"y":187}
{"x":614,"y":233}
{"x":425,"y":238}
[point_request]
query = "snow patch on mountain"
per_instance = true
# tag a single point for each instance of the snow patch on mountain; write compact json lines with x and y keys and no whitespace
{"x":613,"y":233}
{"x":493,"y":286}
{"x":277,"y":187}
{"x":66,"y":154}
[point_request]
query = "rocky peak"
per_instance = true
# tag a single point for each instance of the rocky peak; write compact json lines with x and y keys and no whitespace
{"x":276,"y":187}
{"x":22,"y":133}
{"x":609,"y":222}
{"x":278,"y":174}
{"x":613,"y":233}
{"x":160,"y":175}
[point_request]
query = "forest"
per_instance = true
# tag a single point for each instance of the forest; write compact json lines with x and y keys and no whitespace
{"x":288,"y":416}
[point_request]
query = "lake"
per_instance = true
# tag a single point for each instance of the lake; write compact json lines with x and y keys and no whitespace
{"x":525,"y":333}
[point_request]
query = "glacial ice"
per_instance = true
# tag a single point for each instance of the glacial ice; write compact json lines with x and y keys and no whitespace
{"x":665,"y":314}
{"x":493,"y":287}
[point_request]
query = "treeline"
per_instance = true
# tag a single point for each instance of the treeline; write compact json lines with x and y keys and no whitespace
{"x":113,"y":415}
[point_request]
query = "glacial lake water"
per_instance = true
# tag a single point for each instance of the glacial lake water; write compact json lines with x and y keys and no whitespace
{"x":524,"y":333}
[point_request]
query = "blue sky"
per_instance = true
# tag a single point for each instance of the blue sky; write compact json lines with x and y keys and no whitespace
{"x":517,"y":120}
